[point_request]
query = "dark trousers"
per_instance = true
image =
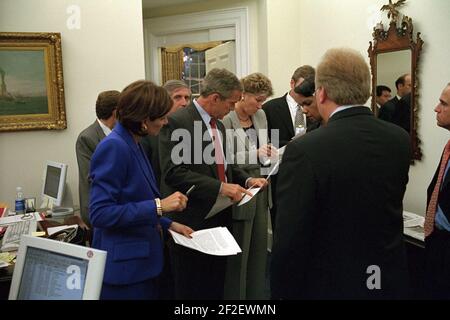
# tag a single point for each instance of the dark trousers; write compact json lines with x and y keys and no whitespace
{"x":273,"y":210}
{"x":437,"y":265}
{"x":197,"y":276}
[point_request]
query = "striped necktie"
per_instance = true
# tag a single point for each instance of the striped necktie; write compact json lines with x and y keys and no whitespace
{"x":218,"y":151}
{"x":299,"y":125}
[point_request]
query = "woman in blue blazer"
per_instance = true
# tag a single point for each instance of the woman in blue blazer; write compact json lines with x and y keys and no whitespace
{"x":125,"y":209}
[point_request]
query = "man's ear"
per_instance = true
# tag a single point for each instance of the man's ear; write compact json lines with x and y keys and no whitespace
{"x":292,"y":83}
{"x":321,"y":95}
{"x":215,"y":97}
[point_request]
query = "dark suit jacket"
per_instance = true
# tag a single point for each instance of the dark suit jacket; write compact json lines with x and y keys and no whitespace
{"x":340,"y":192}
{"x":387,"y":111}
{"x":402,"y":113}
{"x":444,"y":194}
{"x":193,"y":170}
{"x":123,"y":210}
{"x":279,"y":117}
{"x":85,"y":146}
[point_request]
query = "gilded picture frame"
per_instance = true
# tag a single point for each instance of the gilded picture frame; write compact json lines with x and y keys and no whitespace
{"x":31,"y":82}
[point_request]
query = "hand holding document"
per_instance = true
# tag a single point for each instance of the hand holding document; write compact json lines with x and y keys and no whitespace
{"x":247,"y":198}
{"x":215,"y":241}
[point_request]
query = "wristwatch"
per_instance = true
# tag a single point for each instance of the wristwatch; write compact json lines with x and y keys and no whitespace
{"x":159,"y":211}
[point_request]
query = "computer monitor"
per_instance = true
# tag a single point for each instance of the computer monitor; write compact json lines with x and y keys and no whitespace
{"x":53,"y":270}
{"x":54,"y":183}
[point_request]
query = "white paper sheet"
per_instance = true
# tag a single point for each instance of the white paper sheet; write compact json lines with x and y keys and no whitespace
{"x":53,"y":230}
{"x":247,"y":198}
{"x":20,"y":217}
{"x":413,"y":225}
{"x":215,"y":241}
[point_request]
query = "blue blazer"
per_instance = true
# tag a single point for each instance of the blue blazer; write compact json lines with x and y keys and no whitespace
{"x":123,"y":210}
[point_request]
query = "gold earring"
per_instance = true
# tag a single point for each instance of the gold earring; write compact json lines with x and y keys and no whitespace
{"x":144,"y":127}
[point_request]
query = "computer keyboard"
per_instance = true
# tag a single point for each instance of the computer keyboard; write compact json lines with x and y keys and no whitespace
{"x":11,"y":239}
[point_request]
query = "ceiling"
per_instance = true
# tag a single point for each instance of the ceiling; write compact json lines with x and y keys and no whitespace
{"x":152,"y":4}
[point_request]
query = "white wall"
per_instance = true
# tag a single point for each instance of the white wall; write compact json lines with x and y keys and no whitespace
{"x":284,"y":45}
{"x":105,"y":53}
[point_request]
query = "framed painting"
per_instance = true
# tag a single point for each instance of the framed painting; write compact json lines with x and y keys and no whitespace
{"x":31,"y":82}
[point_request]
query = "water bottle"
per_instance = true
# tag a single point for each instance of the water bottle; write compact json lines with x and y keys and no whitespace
{"x":20,"y":201}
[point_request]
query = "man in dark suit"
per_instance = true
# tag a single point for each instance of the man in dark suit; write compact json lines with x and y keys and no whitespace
{"x":192,"y":154}
{"x":339,"y":224}
{"x":403,"y":86}
{"x":383,"y":95}
{"x":281,"y":113}
{"x":402,"y":113}
{"x":87,"y":141}
{"x":180,"y":93}
{"x":437,"y":219}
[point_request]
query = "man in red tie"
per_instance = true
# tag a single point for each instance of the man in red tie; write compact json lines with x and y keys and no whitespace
{"x":437,"y":220}
{"x":201,"y":161}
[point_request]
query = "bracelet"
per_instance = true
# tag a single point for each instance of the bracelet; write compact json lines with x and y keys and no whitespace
{"x":159,"y":210}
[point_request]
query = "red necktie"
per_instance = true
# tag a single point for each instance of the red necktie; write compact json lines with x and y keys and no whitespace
{"x":432,"y":205}
{"x":218,"y":151}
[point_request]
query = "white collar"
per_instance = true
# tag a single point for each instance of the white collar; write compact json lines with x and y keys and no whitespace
{"x":339,"y":109}
{"x":106,"y":130}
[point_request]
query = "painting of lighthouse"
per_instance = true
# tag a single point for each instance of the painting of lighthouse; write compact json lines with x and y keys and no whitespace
{"x":31,"y":82}
{"x":23,"y":82}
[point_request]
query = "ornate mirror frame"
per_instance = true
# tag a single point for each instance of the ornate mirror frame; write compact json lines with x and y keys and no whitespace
{"x":397,"y":39}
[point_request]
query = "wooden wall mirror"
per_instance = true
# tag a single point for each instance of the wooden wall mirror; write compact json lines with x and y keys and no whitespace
{"x":394,"y":60}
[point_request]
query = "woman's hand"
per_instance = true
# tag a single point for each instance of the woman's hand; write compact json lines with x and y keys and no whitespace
{"x":267,"y":151}
{"x":175,"y":202}
{"x":181,"y":229}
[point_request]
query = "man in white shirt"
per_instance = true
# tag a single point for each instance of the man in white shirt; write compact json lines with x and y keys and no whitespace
{"x":87,"y":141}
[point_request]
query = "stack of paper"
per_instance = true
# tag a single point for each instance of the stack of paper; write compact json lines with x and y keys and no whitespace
{"x":215,"y":241}
{"x":20,"y":217}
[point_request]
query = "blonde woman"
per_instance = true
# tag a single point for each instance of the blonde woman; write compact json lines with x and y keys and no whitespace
{"x":247,"y":135}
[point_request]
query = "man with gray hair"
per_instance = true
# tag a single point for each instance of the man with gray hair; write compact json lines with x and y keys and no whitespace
{"x":340,"y":225}
{"x":202,"y":164}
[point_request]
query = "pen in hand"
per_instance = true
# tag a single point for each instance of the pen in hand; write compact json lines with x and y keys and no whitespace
{"x":190,"y":190}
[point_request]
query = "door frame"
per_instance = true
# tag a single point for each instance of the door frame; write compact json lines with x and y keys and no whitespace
{"x":157,"y":29}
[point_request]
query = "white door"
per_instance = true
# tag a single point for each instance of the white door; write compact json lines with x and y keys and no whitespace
{"x":222,"y":56}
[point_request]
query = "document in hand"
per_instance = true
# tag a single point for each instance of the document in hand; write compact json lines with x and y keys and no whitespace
{"x":215,"y":241}
{"x":247,"y":198}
